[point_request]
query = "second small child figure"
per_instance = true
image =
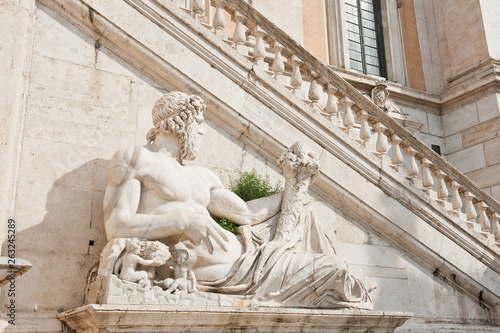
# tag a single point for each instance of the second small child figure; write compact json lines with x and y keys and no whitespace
{"x":184,"y":279}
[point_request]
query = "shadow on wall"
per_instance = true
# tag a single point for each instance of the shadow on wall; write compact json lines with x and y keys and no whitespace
{"x":66,"y":243}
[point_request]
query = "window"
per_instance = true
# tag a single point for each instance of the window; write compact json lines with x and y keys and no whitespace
{"x":364,"y":37}
{"x":437,"y":149}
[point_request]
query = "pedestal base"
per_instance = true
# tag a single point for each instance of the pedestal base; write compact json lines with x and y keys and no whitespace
{"x":168,"y":318}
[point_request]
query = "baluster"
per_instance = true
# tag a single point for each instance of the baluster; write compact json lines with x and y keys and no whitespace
{"x":381,"y":145}
{"x":314,"y":93}
{"x":495,"y":228}
{"x":396,"y":156}
{"x":219,"y":21}
{"x":348,"y":118}
{"x":482,"y":218}
{"x":456,"y":202}
{"x":239,"y":37}
{"x":198,"y":10}
{"x":332,"y":108}
{"x":365,"y":133}
{"x":427,"y":180}
{"x":296,"y":79}
{"x":278,"y":66}
{"x":259,"y":51}
{"x":442,"y":191}
{"x":412,"y":167}
{"x":470,"y":212}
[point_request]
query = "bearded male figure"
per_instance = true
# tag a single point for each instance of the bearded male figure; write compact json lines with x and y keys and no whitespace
{"x":152,"y":195}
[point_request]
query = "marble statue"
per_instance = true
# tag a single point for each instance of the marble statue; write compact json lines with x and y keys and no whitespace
{"x":130,"y":260}
{"x":184,"y":278}
{"x":280,"y":256}
{"x":143,"y":254}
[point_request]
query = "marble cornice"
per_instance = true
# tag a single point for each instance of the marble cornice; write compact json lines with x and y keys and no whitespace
{"x":471,"y":84}
{"x":402,"y":95}
{"x":466,"y":87}
{"x":122,"y":318}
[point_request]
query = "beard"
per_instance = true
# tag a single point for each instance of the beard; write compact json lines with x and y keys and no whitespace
{"x":187,"y":144}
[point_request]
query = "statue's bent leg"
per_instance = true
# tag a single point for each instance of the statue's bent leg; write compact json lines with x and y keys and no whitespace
{"x":315,"y":280}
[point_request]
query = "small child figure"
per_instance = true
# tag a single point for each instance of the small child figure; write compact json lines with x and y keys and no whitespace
{"x":183,"y":273}
{"x":129,"y":263}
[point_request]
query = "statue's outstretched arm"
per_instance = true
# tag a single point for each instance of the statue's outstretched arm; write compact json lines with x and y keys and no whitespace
{"x":224,"y":203}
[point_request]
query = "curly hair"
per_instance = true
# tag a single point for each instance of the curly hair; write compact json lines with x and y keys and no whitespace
{"x":133,"y":244}
{"x":174,"y":111}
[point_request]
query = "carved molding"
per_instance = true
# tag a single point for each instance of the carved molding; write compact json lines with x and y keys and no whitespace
{"x":471,"y":84}
{"x":116,"y":318}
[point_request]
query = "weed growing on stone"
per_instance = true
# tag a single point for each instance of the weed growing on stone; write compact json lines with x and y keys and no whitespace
{"x":250,"y":186}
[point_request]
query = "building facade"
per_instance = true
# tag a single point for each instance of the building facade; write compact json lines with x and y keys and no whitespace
{"x":79,"y":79}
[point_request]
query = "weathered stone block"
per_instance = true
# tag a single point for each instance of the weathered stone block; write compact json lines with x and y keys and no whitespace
{"x":453,"y":143}
{"x":481,"y":133}
{"x":487,"y":176}
{"x":434,"y":124}
{"x":492,"y":151}
{"x":468,"y":159}
{"x":460,"y":119}
{"x":488,"y":108}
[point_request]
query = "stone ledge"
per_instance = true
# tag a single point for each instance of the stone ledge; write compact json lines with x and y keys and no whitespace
{"x":9,"y":272}
{"x":153,"y":318}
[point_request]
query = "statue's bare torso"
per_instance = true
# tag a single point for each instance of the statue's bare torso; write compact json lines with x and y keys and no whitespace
{"x":162,"y":196}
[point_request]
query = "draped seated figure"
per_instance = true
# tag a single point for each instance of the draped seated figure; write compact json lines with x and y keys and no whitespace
{"x":280,"y":255}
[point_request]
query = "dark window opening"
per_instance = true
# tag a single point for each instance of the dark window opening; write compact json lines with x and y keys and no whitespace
{"x":436,"y":149}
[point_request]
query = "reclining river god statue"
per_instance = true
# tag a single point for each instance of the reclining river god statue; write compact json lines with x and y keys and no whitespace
{"x":279,"y":257}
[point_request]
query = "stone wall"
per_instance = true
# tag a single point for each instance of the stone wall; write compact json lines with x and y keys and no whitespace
{"x":472,"y":141}
{"x":82,"y":104}
{"x":452,"y":37}
{"x":286,"y":14}
{"x":314,"y":23}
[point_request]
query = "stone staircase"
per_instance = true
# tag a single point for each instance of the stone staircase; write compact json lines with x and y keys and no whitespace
{"x":264,"y":88}
{"x":271,"y":50}
{"x":346,"y":107}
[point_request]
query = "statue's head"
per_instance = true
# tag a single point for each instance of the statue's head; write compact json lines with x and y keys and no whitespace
{"x":134,"y":246}
{"x":380,"y":93}
{"x":181,"y":256}
{"x":177,"y":112}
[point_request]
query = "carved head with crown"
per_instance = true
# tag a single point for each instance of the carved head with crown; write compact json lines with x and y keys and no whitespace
{"x":380,"y":94}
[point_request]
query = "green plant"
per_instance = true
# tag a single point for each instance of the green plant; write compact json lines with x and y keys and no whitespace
{"x":250,"y":186}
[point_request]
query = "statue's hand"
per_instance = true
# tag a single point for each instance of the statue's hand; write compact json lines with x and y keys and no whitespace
{"x":157,"y":262}
{"x":202,"y":228}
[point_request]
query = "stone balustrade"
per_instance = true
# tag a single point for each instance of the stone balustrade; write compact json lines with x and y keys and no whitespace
{"x":272,"y":50}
